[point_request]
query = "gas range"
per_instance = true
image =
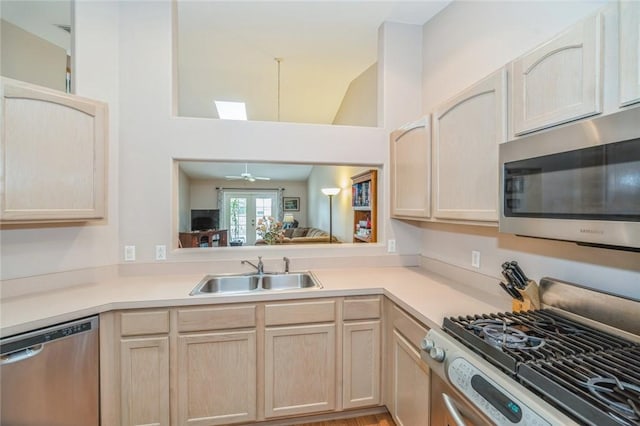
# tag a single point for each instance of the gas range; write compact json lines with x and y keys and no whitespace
{"x":541,"y":367}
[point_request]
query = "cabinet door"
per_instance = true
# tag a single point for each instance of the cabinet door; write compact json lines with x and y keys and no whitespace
{"x":144,"y":380}
{"x":410,"y":385}
{"x":629,"y":52}
{"x":217,"y":378}
{"x":300,"y":375}
{"x":467,"y":132}
{"x":361,"y":364}
{"x":52,"y":155}
{"x":411,"y":170}
{"x":560,"y":80}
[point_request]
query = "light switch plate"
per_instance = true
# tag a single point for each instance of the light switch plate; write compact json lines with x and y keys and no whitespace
{"x":161,"y":252}
{"x":475,"y":259}
{"x":391,"y":246}
{"x":129,"y":253}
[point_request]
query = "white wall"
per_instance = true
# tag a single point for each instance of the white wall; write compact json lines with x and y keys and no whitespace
{"x":124,"y":54}
{"x":463,"y":44}
{"x":40,"y":250}
{"x":151,"y":137}
{"x":399,"y":102}
{"x":359,"y":106}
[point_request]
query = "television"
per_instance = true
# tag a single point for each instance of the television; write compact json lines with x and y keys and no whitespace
{"x":204,"y":220}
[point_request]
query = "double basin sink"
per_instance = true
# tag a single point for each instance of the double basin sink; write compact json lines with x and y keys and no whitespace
{"x":226,"y":283}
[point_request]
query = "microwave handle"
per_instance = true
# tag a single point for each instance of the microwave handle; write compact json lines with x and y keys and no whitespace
{"x":451,"y":407}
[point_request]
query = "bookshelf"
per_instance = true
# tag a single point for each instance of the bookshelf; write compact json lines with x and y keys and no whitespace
{"x":364,"y":195}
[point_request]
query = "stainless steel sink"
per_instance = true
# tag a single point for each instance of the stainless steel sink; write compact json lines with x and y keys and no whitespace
{"x":288,"y":281}
{"x":226,"y":283}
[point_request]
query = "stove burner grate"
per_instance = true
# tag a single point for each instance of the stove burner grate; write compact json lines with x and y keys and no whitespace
{"x":601,"y":388}
{"x":605,"y":388}
{"x":562,"y":337}
{"x":501,"y":334}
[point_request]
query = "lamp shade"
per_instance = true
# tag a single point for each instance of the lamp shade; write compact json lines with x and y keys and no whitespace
{"x":288,"y":218}
{"x":330,"y":191}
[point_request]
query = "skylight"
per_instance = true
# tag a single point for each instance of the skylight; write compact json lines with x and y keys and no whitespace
{"x":231,"y":110}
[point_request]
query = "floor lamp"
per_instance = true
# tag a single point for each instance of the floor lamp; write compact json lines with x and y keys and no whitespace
{"x":330,"y":192}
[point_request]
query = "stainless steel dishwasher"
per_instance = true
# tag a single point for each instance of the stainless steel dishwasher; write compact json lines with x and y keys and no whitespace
{"x":51,"y":376}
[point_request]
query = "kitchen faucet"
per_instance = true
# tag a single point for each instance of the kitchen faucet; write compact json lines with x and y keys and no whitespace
{"x":259,"y":266}
{"x":286,"y":265}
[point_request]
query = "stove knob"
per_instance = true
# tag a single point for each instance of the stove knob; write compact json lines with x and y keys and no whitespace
{"x":437,"y":354}
{"x":427,"y":344}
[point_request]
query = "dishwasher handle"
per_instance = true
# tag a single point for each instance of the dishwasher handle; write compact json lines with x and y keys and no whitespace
{"x":21,"y":355}
{"x":451,"y":407}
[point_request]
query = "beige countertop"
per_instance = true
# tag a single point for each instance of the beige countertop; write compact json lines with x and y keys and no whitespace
{"x":426,"y":295}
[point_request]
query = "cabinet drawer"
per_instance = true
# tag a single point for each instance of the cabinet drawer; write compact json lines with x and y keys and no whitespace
{"x":216,"y":318}
{"x":299,"y":312}
{"x":144,"y":322}
{"x":356,"y":308}
{"x":412,"y":330}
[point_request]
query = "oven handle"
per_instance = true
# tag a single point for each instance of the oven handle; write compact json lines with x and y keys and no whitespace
{"x":451,"y":406}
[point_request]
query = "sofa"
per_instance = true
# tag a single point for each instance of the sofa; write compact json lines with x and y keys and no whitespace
{"x":303,"y":236}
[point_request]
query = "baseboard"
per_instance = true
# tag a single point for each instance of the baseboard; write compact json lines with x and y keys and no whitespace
{"x":323,"y":417}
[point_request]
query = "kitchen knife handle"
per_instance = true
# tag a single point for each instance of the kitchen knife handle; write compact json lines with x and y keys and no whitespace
{"x":519,"y":271}
{"x":514,"y":280}
{"x":511,"y":291}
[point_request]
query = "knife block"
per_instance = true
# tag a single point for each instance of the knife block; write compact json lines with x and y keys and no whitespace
{"x":530,"y":296}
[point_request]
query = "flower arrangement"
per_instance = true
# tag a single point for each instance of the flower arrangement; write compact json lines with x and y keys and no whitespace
{"x":270,"y":230}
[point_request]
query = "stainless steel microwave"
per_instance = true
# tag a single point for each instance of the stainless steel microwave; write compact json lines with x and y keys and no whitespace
{"x":579,"y":182}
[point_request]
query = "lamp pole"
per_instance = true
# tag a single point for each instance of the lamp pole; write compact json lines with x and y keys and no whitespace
{"x":330,"y":192}
{"x":330,"y":218}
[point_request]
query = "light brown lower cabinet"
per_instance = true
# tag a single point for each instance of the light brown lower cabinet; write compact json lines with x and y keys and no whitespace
{"x":361,"y":364}
{"x":240,"y":363}
{"x":407,"y":378}
{"x":300,"y":375}
{"x":135,"y":347}
{"x":144,"y":378}
{"x":411,"y":384}
{"x":216,"y":378}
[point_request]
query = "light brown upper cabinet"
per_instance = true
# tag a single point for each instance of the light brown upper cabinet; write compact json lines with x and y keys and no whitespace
{"x":560,"y":80}
{"x":410,"y":151}
{"x":466,"y":133}
{"x":53,"y":155}
{"x":629,"y":52}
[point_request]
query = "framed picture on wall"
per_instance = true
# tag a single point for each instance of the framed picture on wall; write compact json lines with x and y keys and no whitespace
{"x":291,"y":204}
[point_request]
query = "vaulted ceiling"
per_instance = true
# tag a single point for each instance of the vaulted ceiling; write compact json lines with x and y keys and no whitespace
{"x":227,"y":51}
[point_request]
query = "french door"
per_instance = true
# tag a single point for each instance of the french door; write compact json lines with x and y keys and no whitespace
{"x":243,"y":209}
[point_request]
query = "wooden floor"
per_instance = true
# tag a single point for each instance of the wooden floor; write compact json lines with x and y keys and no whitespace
{"x":383,"y":419}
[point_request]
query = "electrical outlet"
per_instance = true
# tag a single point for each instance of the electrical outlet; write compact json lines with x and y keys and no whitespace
{"x":161,"y":252}
{"x":391,"y":246}
{"x":475,"y":259}
{"x":129,"y":253}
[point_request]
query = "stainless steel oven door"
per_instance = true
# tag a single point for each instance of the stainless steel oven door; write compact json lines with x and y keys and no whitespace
{"x":450,"y":408}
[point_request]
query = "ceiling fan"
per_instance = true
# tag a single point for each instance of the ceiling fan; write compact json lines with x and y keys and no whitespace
{"x":247,"y":176}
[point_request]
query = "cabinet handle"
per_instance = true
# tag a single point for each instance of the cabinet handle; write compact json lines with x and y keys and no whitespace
{"x":21,"y":355}
{"x":451,"y":407}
